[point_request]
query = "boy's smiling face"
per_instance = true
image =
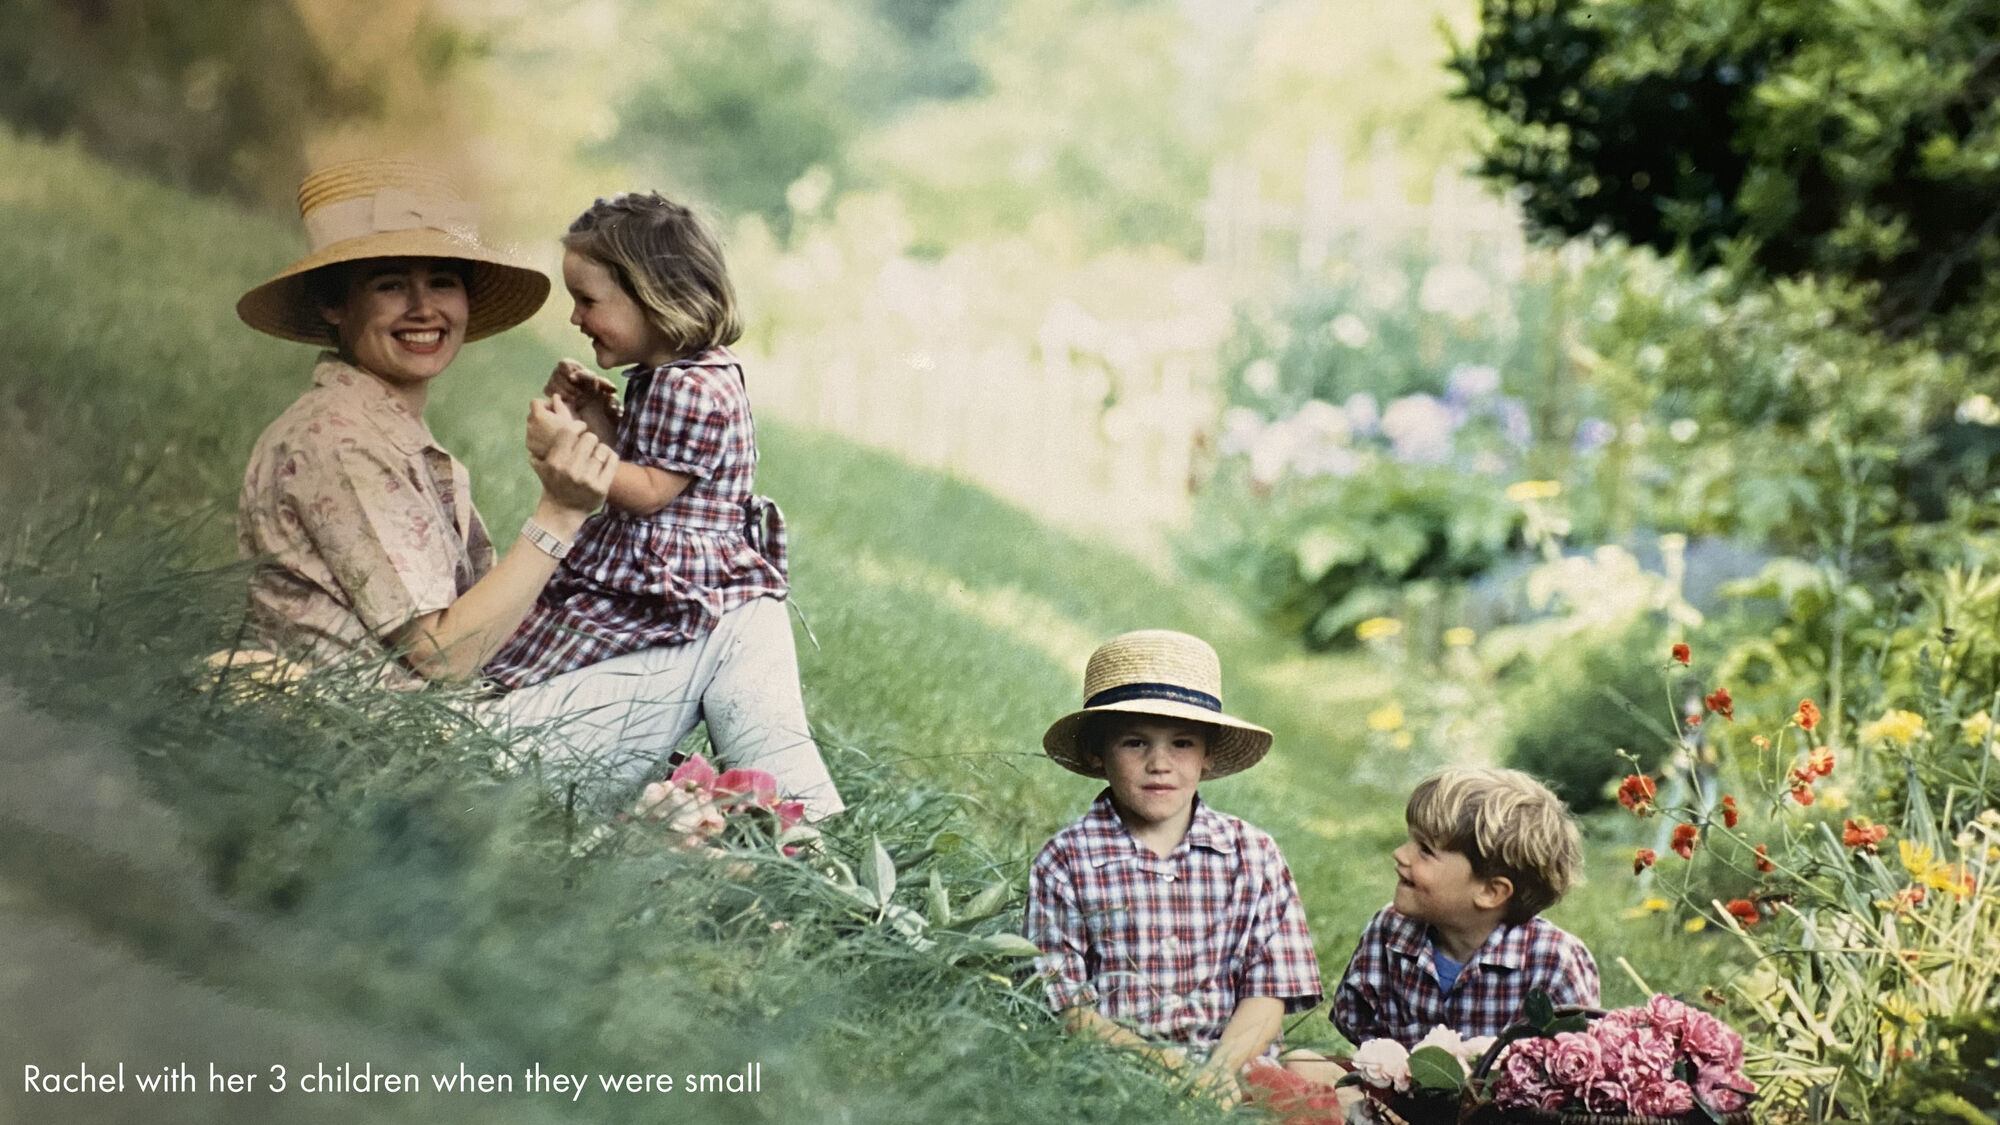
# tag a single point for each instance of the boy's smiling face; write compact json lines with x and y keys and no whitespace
{"x":1154,"y":765}
{"x":1436,"y":885}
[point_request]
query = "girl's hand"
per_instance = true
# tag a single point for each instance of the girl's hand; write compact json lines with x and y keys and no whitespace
{"x":548,"y":418}
{"x":576,"y":471}
{"x":591,"y":397}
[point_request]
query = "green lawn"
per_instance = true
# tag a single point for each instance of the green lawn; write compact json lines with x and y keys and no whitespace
{"x":951,"y":629}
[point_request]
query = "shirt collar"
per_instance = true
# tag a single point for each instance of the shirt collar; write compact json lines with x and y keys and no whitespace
{"x":408,"y":432}
{"x":713,"y":357}
{"x":1506,"y":947}
{"x":1206,"y":829}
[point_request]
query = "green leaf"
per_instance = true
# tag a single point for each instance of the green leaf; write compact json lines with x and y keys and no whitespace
{"x":1007,"y":945}
{"x":940,"y":902}
{"x":988,"y":901}
{"x":1539,"y":1010}
{"x":1434,"y":1068}
{"x":1574,"y":1022}
{"x":879,"y":873}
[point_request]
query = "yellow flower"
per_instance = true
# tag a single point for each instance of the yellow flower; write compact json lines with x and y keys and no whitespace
{"x":1975,"y":729}
{"x":1917,"y":858}
{"x":1833,"y":798}
{"x":1900,"y":729}
{"x":1378,"y":627}
{"x":1386,"y":718}
{"x":1655,"y":905}
{"x":1522,"y":491}
{"x":1695,"y":924}
{"x":1402,"y":740}
{"x":1460,"y":637}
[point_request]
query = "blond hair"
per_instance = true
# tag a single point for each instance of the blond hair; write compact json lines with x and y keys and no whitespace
{"x":666,"y":260}
{"x":1508,"y":825}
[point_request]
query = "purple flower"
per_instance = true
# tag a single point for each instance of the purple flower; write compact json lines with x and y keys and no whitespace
{"x":1514,"y":422}
{"x":1593,"y":434}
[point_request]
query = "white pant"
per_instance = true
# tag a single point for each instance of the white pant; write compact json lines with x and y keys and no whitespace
{"x":607,"y":726}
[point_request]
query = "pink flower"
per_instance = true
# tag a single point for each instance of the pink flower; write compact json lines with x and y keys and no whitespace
{"x":694,"y":775}
{"x":1710,"y":1043}
{"x":1524,"y":1077}
{"x":1662,"y":1099}
{"x":1670,"y":1015}
{"x":1576,"y":1061}
{"x":1607,"y":1095}
{"x":760,"y":787}
{"x":1383,"y":1064}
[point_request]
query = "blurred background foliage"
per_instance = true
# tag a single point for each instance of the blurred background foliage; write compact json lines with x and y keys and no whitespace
{"x":1440,"y":492}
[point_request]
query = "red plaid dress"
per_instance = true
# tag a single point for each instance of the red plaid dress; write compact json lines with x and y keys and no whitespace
{"x":635,"y":582}
{"x":1390,"y":990}
{"x":1169,"y":946}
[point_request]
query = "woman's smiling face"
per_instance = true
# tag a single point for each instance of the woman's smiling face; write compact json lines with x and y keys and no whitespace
{"x":404,"y":318}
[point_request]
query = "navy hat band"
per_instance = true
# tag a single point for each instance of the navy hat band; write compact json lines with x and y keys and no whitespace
{"x":1169,"y":693}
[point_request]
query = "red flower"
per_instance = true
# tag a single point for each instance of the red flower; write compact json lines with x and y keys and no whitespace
{"x":1636,"y":793}
{"x":1682,"y":653}
{"x":1820,"y":762}
{"x":1764,"y":863}
{"x":1719,"y":702}
{"x":1744,"y":910}
{"x":1694,"y":718}
{"x":1642,"y":859}
{"x":1808,"y":715}
{"x":1801,"y":784}
{"x":1863,"y":835}
{"x":1684,"y":837}
{"x":1904,"y":899}
{"x":1729,"y":812}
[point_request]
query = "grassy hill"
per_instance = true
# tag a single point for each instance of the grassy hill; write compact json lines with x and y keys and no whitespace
{"x":390,"y":883}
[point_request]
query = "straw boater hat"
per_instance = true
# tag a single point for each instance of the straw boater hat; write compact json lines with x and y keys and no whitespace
{"x":1158,"y":672}
{"x":383,"y":208}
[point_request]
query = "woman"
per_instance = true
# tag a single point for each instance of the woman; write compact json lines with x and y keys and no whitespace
{"x":374,"y":557}
{"x":374,"y":553}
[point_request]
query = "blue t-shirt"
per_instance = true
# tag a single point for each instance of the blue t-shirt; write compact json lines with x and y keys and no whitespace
{"x":1447,"y":969}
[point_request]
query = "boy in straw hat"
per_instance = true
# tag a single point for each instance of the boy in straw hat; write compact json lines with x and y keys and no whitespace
{"x":1164,"y":925}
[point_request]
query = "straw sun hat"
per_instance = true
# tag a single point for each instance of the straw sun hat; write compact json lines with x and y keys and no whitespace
{"x":1164,"y":673}
{"x":386,"y":208}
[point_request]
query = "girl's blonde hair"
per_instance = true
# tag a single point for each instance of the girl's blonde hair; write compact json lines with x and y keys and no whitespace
{"x":1507,"y":824}
{"x":666,"y":260}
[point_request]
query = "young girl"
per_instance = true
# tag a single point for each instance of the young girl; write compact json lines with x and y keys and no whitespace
{"x":683,"y":573}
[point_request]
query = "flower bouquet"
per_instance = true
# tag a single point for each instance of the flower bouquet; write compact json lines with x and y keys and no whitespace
{"x":1658,"y":1063}
{"x":696,"y":805}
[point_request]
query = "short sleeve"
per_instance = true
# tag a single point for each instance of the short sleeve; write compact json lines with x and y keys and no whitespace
{"x":1279,"y":960}
{"x":385,"y":541}
{"x":1576,"y":982}
{"x":1055,"y":924}
{"x":680,"y":424}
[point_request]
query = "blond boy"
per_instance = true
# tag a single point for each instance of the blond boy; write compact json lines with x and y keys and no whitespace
{"x":1462,"y":944}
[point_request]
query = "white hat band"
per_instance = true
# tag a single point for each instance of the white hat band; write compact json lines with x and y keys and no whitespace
{"x":389,"y":209}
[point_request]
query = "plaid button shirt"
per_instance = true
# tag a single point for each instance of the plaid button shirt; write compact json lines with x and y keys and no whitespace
{"x":1169,"y":946}
{"x":1390,"y":990}
{"x":634,"y":582}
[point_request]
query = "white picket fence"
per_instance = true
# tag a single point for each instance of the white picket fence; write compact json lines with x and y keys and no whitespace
{"x":1099,"y":422}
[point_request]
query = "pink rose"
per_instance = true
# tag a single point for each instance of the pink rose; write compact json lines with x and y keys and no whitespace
{"x":1607,"y":1095}
{"x":1524,"y":1077}
{"x":1670,"y":1015}
{"x":1662,"y":1099}
{"x":1576,"y":1060}
{"x":1709,"y":1042}
{"x":1383,"y":1064}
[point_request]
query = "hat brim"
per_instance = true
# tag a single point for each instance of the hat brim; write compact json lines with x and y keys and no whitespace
{"x":502,"y":293}
{"x":1237,"y":745}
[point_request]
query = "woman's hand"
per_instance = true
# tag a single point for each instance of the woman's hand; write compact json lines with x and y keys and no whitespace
{"x":575,"y":468}
{"x":589,"y":396}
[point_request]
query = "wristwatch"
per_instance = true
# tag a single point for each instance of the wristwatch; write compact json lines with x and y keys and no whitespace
{"x":544,"y":540}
